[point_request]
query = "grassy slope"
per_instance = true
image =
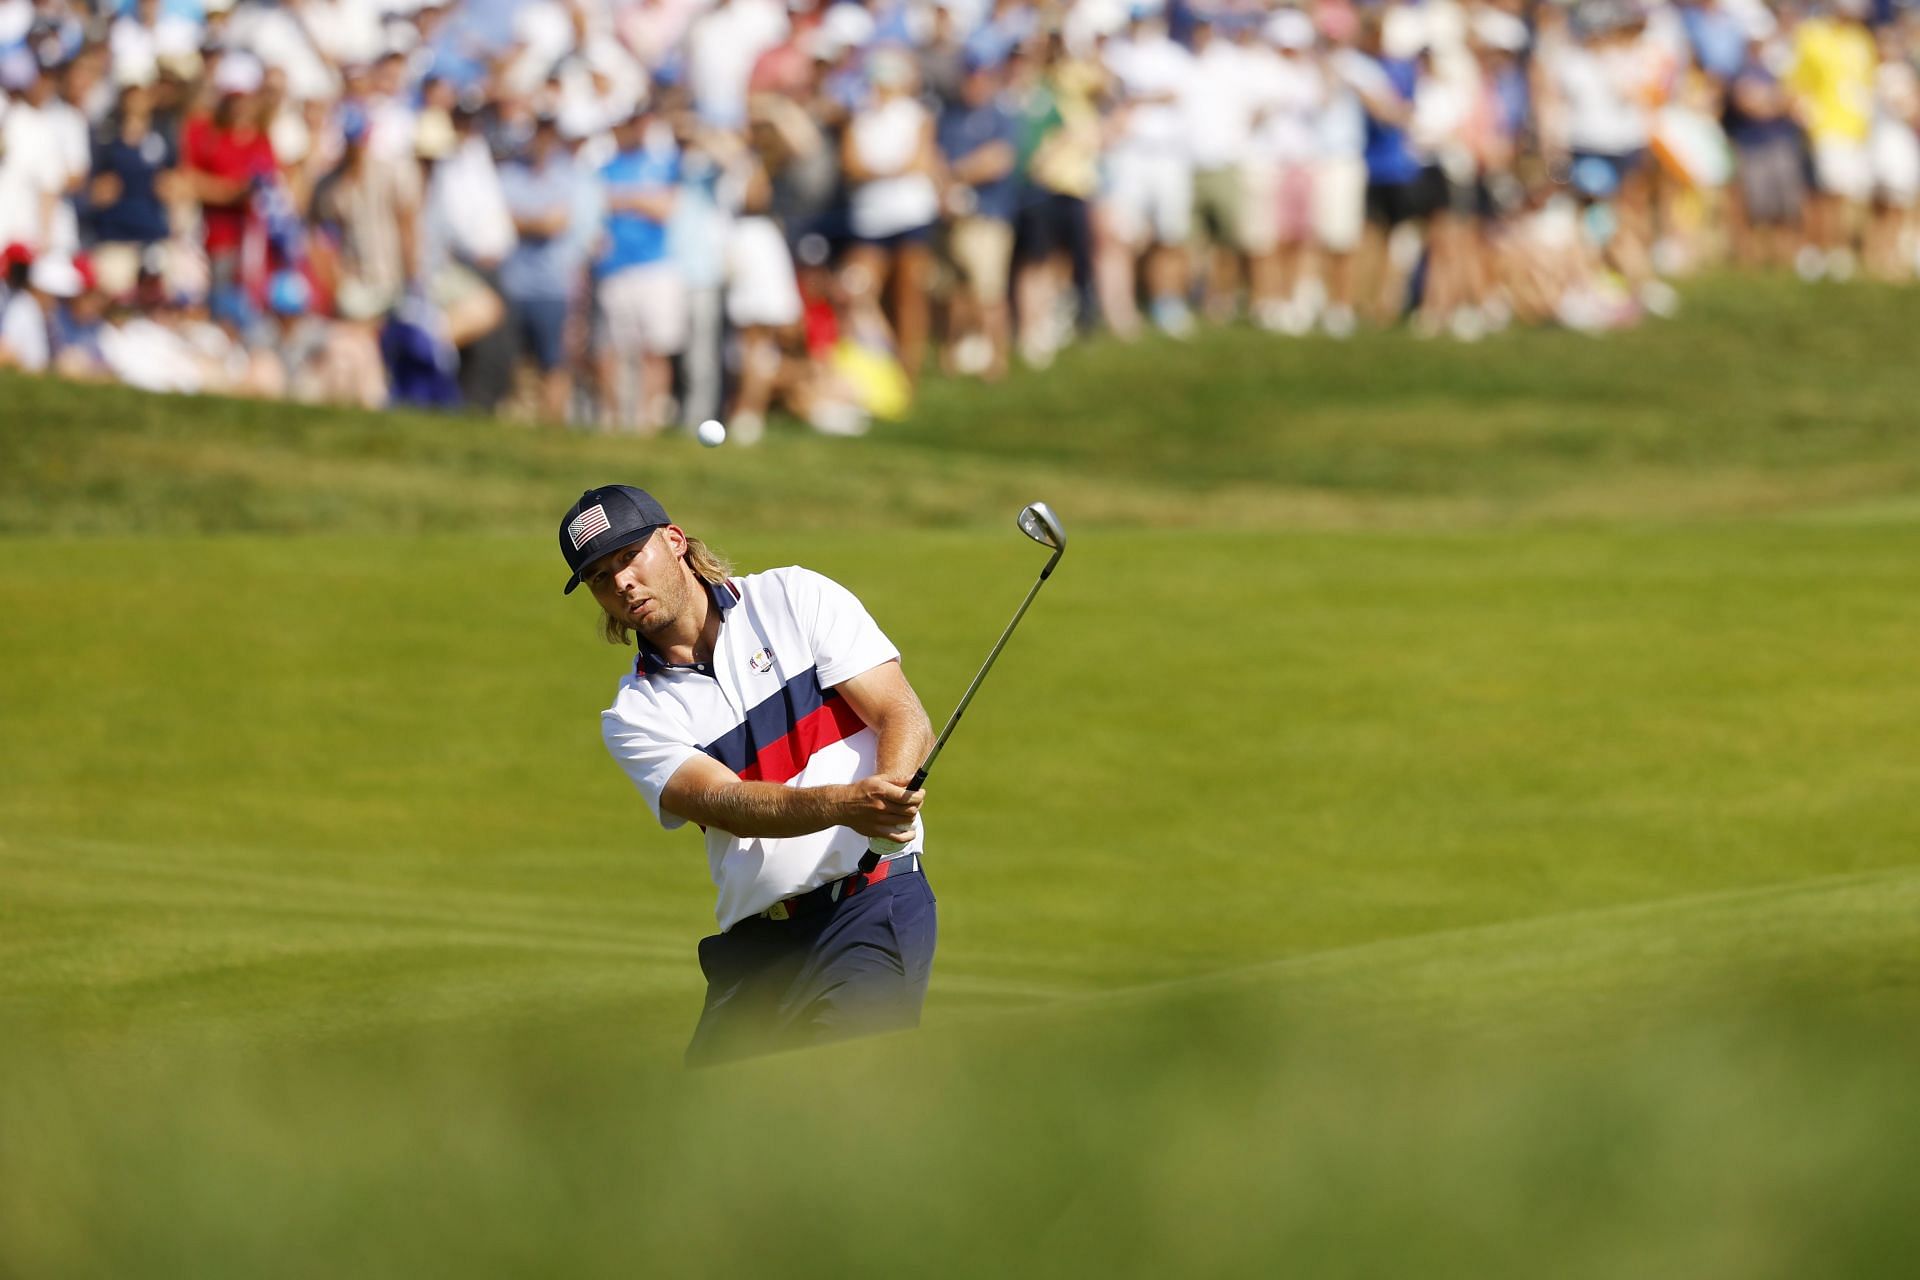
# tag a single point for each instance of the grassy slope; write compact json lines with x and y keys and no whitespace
{"x":1583,"y":817}
{"x":1767,"y":397}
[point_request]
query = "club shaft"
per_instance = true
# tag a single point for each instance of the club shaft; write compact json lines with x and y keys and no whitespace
{"x":877,"y":847}
{"x":926,"y":765}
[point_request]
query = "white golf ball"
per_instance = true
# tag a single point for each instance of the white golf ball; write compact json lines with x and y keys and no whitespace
{"x":711,"y":433}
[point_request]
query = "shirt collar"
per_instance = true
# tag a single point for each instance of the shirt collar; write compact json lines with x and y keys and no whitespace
{"x":724,"y":596}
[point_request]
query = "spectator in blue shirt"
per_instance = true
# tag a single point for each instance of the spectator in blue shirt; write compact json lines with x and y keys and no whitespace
{"x":126,"y":205}
{"x":541,"y":277}
{"x":980,"y":142}
{"x":1402,"y":188}
{"x":1771,"y":165}
{"x":642,"y":298}
{"x":1716,"y":37}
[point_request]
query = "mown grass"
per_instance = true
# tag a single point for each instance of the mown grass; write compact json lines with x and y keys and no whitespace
{"x":1451,"y":812}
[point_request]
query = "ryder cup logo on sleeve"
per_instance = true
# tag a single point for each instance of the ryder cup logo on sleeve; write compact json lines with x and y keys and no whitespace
{"x":762,"y":661}
{"x":587,"y":525}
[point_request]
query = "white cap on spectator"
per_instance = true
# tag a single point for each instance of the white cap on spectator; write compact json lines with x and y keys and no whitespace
{"x":217,"y":6}
{"x":292,"y":140}
{"x":580,"y":118}
{"x":401,"y":38}
{"x":355,"y":300}
{"x":433,"y":136}
{"x":176,"y":48}
{"x":16,"y":19}
{"x":1403,"y":32}
{"x":55,"y":275}
{"x":626,"y":78}
{"x":238,"y":72}
{"x":1290,"y":29}
{"x":1497,"y":30}
{"x":1756,"y":20}
{"x":135,"y":72}
{"x":845,"y":26}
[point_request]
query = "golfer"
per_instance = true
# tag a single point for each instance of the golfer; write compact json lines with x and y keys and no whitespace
{"x":772,"y":711}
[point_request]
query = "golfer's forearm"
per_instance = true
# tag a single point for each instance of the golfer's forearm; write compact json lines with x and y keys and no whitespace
{"x":904,"y":736}
{"x":766,"y":809}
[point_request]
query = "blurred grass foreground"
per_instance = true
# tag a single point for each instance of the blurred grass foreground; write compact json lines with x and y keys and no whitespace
{"x":1452,"y":814}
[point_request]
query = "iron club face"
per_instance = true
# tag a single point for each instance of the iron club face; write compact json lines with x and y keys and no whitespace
{"x":1038,"y":522}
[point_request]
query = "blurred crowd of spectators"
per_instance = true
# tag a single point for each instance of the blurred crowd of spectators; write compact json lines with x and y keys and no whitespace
{"x":629,"y":213}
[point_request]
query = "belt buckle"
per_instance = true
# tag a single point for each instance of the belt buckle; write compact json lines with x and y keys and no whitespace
{"x":778,"y":911}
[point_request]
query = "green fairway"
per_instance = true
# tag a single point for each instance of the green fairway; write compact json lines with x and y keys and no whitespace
{"x":1452,"y":812}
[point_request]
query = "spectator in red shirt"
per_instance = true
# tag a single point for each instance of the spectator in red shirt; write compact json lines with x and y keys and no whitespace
{"x":226,"y":154}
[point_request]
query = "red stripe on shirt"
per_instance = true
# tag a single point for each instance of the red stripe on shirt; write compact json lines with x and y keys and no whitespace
{"x":834,"y":721}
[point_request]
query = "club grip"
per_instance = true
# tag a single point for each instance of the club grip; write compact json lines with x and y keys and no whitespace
{"x":878,"y":848}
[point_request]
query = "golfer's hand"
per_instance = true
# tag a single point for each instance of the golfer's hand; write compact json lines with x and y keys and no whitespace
{"x":878,"y":806}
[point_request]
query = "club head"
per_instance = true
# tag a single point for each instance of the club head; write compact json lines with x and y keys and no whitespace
{"x":1038,"y":522}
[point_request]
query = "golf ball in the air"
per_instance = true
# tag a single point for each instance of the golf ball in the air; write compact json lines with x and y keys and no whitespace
{"x":711,"y":433}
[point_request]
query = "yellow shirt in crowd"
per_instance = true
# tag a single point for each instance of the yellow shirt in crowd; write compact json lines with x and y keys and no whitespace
{"x":1833,"y":69}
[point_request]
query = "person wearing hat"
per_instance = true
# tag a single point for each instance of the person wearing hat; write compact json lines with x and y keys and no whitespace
{"x":1293,"y":100}
{"x":372,"y":208}
{"x":225,"y":154}
{"x":772,"y":711}
{"x":26,"y":326}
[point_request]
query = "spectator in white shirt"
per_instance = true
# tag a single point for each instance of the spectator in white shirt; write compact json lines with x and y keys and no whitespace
{"x":285,"y":36}
{"x":466,"y":222}
{"x":1339,"y":172}
{"x":1290,"y":95}
{"x":1219,"y":108}
{"x":722,"y":46}
{"x":26,"y":340}
{"x":1602,"y":76}
{"x":891,"y":160}
{"x":35,"y":173}
{"x":1150,"y":202}
{"x":346,"y":32}
{"x":133,"y":41}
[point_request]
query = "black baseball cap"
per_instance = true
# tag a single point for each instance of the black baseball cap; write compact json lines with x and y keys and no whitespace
{"x":604,"y":520}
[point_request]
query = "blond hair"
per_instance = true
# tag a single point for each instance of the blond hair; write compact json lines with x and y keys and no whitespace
{"x":707,"y":565}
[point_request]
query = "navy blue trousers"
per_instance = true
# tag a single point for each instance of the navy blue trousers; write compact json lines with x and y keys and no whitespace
{"x":857,"y":968}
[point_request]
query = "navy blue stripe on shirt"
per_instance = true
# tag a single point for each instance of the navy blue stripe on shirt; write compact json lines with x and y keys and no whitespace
{"x":769,"y":722}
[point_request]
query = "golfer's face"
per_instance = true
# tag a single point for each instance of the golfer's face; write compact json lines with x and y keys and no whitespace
{"x":642,"y":585}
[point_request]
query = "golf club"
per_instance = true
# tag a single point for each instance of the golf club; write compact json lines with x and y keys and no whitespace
{"x":1038,"y":522}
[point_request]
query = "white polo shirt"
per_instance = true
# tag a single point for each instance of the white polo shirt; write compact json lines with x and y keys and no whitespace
{"x":767,"y":709}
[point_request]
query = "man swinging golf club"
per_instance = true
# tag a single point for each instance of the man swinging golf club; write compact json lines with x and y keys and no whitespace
{"x":772,"y":711}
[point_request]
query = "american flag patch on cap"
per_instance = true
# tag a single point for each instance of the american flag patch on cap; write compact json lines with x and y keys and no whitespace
{"x":586,"y":526}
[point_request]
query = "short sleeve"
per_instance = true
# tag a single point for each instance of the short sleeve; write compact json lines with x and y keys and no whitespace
{"x":846,"y":640}
{"x":650,"y":748}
